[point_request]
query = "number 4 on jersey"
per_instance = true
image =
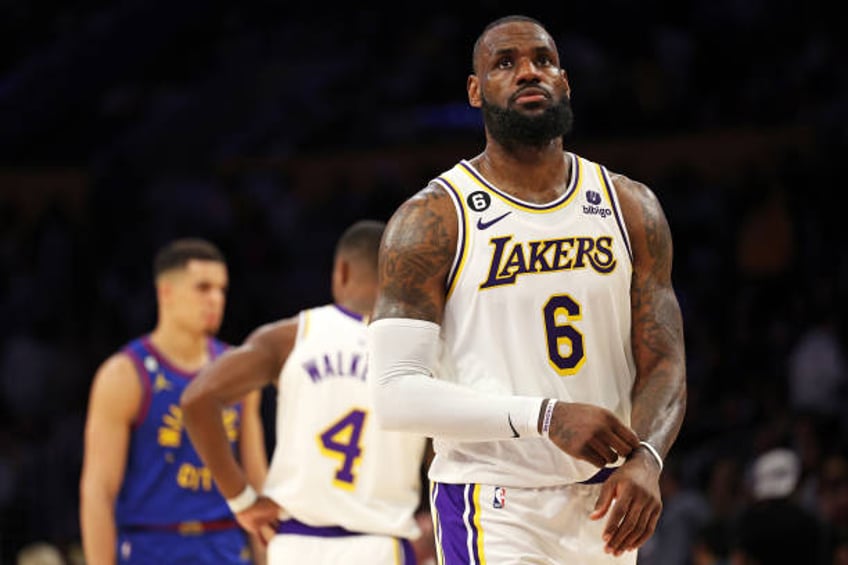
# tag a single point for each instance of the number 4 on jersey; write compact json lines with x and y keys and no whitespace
{"x":341,"y":441}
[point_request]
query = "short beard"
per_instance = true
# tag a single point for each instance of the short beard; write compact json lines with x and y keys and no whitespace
{"x":510,"y":127}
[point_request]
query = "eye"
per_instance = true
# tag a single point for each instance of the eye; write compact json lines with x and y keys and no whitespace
{"x":544,"y":61}
{"x":203,"y":286}
{"x":504,"y":62}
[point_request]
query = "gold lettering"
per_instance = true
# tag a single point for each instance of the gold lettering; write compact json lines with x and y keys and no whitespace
{"x":194,"y":478}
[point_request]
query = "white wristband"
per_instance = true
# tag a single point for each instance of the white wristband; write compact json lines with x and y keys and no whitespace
{"x":243,"y":500}
{"x":654,"y":452}
{"x":546,"y":419}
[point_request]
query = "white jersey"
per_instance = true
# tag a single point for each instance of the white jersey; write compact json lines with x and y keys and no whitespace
{"x":538,"y":304}
{"x":332,"y":465}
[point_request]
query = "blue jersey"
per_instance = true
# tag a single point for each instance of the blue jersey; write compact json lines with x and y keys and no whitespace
{"x":165,"y":480}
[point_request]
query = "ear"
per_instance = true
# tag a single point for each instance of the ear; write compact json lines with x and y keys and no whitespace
{"x":341,"y":272}
{"x":164,"y":290}
{"x":473,"y":86}
{"x":567,"y":85}
{"x":344,"y":271}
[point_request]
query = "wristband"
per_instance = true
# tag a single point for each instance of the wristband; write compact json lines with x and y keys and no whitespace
{"x":654,"y":452}
{"x":546,"y":419}
{"x":243,"y":500}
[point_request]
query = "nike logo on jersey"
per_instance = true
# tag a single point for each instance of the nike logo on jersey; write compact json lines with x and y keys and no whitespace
{"x":509,"y":419}
{"x":481,"y":225}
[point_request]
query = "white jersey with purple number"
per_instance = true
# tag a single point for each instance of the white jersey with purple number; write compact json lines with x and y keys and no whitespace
{"x":538,"y":304}
{"x":332,"y":465}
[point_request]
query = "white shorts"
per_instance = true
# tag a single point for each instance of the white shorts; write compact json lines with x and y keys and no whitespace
{"x":478,"y":524}
{"x":331,"y":546}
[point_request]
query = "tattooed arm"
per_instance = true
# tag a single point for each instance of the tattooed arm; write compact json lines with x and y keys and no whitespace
{"x":403,"y":340}
{"x":415,"y":256}
{"x":659,"y":391}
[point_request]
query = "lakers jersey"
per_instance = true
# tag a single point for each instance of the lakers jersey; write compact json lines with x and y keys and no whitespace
{"x":165,"y":480}
{"x":538,"y":304}
{"x":333,"y":466}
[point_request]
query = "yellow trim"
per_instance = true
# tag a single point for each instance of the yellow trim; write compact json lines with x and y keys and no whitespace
{"x":602,"y":184}
{"x":437,"y":528}
{"x":457,"y":195}
{"x":478,"y":507}
{"x":307,"y":316}
{"x":515,"y":202}
{"x":398,"y":552}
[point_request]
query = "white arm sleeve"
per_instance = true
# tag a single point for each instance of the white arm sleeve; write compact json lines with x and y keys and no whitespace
{"x":403,"y":354}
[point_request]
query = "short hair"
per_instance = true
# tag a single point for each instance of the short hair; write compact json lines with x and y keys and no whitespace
{"x":498,"y":22}
{"x":178,"y":253}
{"x":361,"y":241}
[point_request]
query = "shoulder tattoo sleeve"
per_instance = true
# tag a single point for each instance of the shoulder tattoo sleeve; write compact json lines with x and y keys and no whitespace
{"x":416,"y":254}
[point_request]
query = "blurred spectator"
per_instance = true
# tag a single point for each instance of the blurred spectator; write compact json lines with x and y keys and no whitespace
{"x":773,"y":529}
{"x":833,"y":502}
{"x":775,"y":474}
{"x":818,"y":373}
{"x":40,"y":553}
{"x":711,"y":545}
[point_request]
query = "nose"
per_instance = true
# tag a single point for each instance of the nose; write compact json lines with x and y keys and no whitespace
{"x":218,"y":296}
{"x":526,"y":71}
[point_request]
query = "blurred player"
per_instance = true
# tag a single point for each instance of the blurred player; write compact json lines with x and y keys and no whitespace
{"x":145,"y":495}
{"x":339,"y":490}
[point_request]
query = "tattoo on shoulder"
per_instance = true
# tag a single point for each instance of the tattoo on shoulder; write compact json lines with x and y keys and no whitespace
{"x":655,"y":309}
{"x":416,"y":255}
{"x":653,"y":221}
{"x":657,"y":233}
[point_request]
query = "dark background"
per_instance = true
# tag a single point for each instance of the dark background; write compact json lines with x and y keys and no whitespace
{"x":269,"y":128}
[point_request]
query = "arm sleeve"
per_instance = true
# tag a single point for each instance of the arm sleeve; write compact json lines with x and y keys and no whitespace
{"x":403,"y":354}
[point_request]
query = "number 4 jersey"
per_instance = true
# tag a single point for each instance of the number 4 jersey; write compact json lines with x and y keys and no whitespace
{"x":332,"y":465}
{"x":538,"y":304}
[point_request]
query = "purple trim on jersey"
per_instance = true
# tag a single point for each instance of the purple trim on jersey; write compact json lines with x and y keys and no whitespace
{"x":615,"y":211}
{"x":296,"y":527}
{"x":213,"y":347}
{"x":599,"y":477}
{"x":408,"y":553}
{"x":350,"y":313}
{"x":572,"y":184}
{"x":144,"y":379}
{"x":160,"y":357}
{"x":462,"y":235}
{"x":457,"y":531}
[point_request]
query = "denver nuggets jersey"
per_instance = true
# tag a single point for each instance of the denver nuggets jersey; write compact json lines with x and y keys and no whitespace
{"x":165,"y":480}
{"x":538,"y":304}
{"x":332,"y":465}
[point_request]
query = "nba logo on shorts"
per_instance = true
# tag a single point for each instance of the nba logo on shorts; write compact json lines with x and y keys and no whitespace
{"x":500,"y":497}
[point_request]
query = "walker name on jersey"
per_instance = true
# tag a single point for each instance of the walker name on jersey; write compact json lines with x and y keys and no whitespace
{"x":511,"y":259}
{"x":337,"y":364}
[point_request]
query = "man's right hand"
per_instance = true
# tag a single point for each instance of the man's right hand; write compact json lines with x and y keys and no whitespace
{"x":261,"y":518}
{"x":591,"y":433}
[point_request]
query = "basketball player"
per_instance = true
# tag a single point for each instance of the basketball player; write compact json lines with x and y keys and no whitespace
{"x":339,"y":490}
{"x":527,"y":322}
{"x":145,"y":495}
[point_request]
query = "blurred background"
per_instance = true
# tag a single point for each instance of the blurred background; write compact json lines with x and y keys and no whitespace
{"x":268,"y":128}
